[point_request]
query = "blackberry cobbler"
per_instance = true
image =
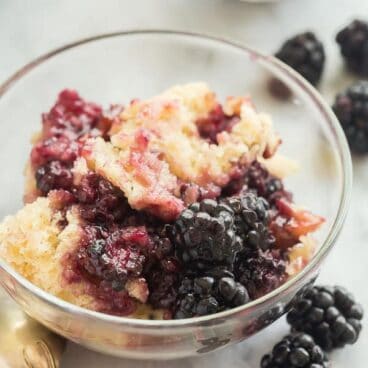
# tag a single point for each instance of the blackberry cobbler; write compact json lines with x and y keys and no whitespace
{"x":170,"y":207}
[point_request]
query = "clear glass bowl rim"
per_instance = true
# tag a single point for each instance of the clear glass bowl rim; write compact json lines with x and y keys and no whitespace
{"x":289,"y":73}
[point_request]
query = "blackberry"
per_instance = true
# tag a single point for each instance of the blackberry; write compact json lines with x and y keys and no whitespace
{"x":295,"y":350}
{"x":329,"y":314}
{"x":204,"y":233}
{"x":351,"y":108}
{"x":260,"y":272}
{"x":353,"y":42}
{"x":304,"y":53}
{"x":251,"y":220}
{"x":200,"y":296}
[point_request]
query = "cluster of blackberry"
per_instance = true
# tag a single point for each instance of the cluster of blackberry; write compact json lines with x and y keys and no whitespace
{"x":322,"y":319}
{"x":226,"y":247}
{"x":305,"y":53}
{"x":217,"y":254}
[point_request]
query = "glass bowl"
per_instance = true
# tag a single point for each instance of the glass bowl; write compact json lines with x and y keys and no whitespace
{"x":119,"y":66}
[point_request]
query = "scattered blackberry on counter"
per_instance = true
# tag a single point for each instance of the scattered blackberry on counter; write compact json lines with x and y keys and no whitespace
{"x":351,"y":108}
{"x":251,"y":220}
{"x":295,"y":350}
{"x":205,"y":295}
{"x":353,"y":42}
{"x":260,"y":272}
{"x":304,"y":53}
{"x":329,"y":314}
{"x":205,"y":233}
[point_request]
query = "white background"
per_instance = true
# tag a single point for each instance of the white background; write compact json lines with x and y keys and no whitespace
{"x":30,"y":28}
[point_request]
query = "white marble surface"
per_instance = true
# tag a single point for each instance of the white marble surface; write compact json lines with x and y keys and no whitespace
{"x":29,"y":28}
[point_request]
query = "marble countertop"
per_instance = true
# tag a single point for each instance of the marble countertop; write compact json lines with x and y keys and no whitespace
{"x":29,"y":28}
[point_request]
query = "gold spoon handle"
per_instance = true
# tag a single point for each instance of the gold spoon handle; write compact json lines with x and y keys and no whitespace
{"x":39,"y":355}
{"x":25,"y":343}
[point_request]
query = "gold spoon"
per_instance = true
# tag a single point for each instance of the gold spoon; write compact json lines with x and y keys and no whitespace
{"x":24,"y":343}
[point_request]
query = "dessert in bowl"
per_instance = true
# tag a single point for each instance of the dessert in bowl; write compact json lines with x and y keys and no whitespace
{"x":166,"y":205}
{"x":168,"y":208}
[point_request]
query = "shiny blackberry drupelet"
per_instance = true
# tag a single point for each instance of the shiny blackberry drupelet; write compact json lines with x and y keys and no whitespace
{"x":351,"y":108}
{"x":203,"y":295}
{"x":329,"y":314}
{"x":260,"y":272}
{"x":205,"y":234}
{"x":251,"y":220}
{"x":304,"y":53}
{"x":295,"y":350}
{"x":353,"y":42}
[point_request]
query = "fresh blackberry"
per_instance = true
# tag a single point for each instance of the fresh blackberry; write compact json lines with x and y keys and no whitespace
{"x":329,"y":314}
{"x":204,"y":233}
{"x":295,"y":350}
{"x":251,"y":220}
{"x":351,"y":108}
{"x":353,"y":42}
{"x":260,"y":272}
{"x":200,"y":296}
{"x":304,"y":53}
